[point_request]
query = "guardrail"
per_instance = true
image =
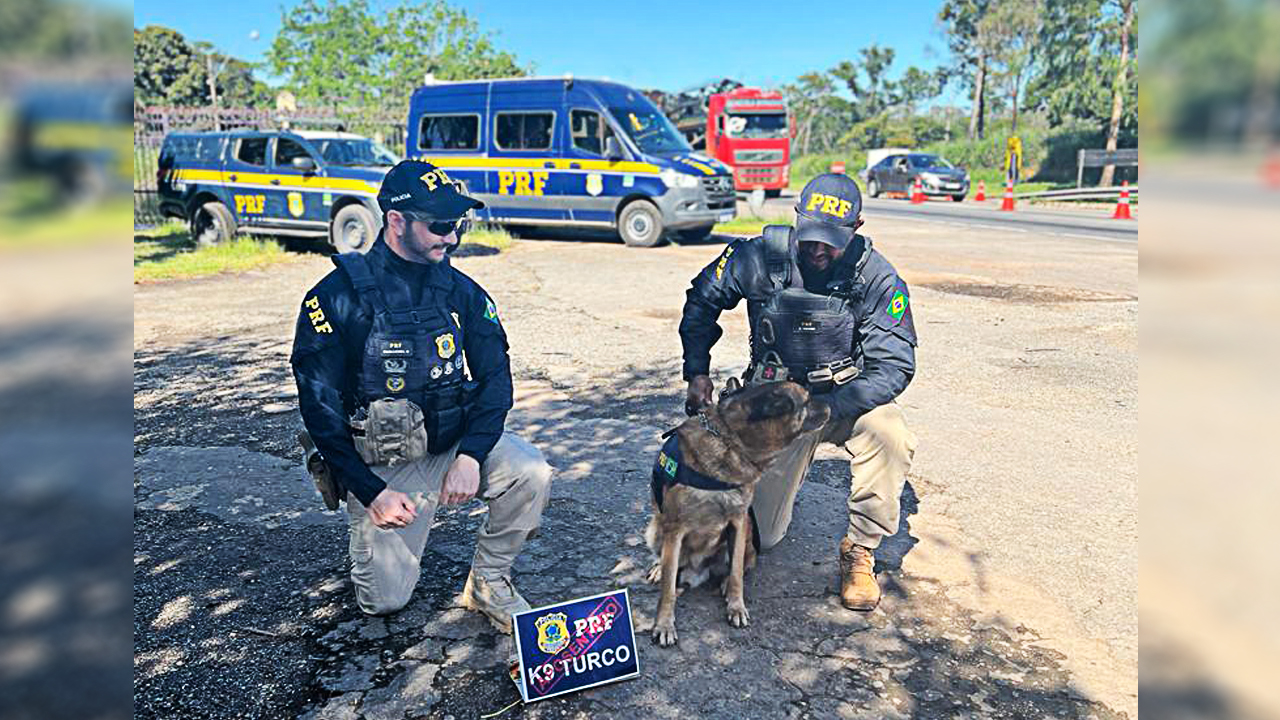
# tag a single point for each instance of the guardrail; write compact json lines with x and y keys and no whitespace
{"x":1101,"y":193}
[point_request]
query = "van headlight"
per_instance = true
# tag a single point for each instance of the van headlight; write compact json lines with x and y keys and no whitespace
{"x":675,"y":179}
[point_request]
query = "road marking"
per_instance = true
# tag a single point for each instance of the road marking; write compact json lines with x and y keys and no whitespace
{"x":1004,"y":228}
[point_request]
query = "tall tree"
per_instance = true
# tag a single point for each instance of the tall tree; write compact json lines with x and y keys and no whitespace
{"x":1010,"y":32}
{"x":167,"y":70}
{"x":1118,"y":87}
{"x":961,"y":21}
{"x":340,"y":52}
{"x":806,"y":98}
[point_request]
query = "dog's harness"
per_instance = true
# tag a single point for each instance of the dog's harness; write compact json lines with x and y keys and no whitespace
{"x":671,"y":470}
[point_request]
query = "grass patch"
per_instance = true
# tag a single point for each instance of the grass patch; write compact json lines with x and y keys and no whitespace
{"x":488,"y":236}
{"x":31,"y":214}
{"x":747,"y":226}
{"x":169,"y":253}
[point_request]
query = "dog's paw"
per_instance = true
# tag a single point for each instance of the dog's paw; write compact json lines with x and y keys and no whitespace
{"x":664,"y":633}
{"x":738,"y":616}
{"x":655,"y":573}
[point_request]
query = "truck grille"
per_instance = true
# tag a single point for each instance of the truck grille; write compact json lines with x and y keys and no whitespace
{"x":719,"y":190}
{"x":757,"y":156}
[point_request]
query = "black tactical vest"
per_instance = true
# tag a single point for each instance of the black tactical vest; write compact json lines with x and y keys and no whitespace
{"x":413,"y":353}
{"x":805,"y":330}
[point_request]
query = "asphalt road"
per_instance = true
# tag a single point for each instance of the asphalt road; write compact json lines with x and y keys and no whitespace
{"x":1011,"y":588}
{"x":1084,"y":224}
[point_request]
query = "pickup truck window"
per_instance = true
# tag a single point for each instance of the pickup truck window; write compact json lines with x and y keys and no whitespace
{"x":287,"y":150}
{"x":252,"y":151}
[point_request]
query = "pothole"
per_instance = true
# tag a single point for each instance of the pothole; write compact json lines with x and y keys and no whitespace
{"x":1033,"y":294}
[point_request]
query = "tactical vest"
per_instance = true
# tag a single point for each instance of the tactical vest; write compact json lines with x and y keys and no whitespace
{"x":411,"y":353}
{"x":671,"y":469}
{"x":813,"y":335}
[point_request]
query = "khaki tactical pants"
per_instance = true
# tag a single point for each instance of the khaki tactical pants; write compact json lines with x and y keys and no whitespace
{"x":514,"y":480}
{"x":880,"y":448}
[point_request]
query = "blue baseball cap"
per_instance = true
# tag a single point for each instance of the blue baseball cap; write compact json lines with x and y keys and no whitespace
{"x":417,"y":186}
{"x":828,"y":209}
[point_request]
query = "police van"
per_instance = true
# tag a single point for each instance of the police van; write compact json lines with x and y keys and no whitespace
{"x":304,"y":183}
{"x":569,"y":152}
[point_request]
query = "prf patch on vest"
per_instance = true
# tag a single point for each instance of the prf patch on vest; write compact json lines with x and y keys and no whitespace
{"x":828,"y":204}
{"x":316,"y":315}
{"x":445,"y":346}
{"x":397,"y":348}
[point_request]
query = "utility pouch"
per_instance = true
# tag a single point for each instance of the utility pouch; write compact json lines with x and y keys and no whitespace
{"x":389,"y":432}
{"x":769,"y":369}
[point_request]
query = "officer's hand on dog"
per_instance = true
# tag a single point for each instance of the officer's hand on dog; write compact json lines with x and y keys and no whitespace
{"x":699,"y":395}
{"x":392,"y":509}
{"x":461,"y":482}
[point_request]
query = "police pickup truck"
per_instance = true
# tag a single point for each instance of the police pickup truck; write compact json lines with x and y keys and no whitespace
{"x":572,"y":153}
{"x":304,"y":183}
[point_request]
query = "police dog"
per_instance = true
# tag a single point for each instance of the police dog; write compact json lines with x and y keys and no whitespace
{"x":697,"y":520}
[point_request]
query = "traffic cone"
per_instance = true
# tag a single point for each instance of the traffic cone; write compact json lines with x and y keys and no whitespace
{"x":917,"y":192}
{"x":1271,"y":171}
{"x":1007,"y":203}
{"x":982,"y":192}
{"x":1122,"y":207}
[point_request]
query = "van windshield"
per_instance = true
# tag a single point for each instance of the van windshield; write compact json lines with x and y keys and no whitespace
{"x":651,"y":131}
{"x":352,"y":152}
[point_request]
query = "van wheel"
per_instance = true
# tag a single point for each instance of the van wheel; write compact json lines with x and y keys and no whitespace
{"x":873,"y":187}
{"x":353,"y":229}
{"x":695,"y":234}
{"x":212,"y":224}
{"x":640,"y":224}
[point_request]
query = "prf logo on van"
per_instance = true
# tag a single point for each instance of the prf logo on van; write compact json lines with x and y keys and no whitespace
{"x":829,"y":204}
{"x":525,"y":183}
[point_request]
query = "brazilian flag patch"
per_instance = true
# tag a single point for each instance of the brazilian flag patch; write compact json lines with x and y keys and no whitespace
{"x":897,"y":305}
{"x":490,"y":311}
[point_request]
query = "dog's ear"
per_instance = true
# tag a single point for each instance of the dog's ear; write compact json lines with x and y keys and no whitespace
{"x":817,"y":413}
{"x":733,"y":386}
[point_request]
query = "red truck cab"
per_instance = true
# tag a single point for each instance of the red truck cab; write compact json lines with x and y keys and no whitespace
{"x":750,"y":130}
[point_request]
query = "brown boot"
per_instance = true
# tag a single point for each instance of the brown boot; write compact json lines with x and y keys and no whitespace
{"x":858,"y":588}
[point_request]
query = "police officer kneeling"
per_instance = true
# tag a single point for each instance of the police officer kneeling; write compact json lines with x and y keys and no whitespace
{"x":829,"y":312}
{"x":404,"y":384}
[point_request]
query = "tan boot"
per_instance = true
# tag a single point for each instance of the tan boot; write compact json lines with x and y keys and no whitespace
{"x":858,"y":587}
{"x":496,"y":597}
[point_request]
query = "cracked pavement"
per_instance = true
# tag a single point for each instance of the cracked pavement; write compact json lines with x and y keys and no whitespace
{"x":243,"y":608}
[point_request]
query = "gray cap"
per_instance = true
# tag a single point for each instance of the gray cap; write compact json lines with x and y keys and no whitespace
{"x":828,"y":210}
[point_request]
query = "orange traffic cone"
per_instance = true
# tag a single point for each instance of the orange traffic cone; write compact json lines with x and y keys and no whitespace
{"x":982,"y":192}
{"x":917,"y":192}
{"x":1122,"y":207}
{"x":1007,"y":203}
{"x":1271,"y":171}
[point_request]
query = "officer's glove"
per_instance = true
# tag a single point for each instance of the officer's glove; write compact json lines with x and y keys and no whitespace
{"x":699,"y":394}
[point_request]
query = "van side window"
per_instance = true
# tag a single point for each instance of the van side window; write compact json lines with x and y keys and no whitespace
{"x":524,"y":130}
{"x":589,"y":131}
{"x":252,"y":151}
{"x":449,"y":132}
{"x":287,"y":150}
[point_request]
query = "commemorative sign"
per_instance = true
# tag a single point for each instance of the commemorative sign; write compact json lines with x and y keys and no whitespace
{"x":575,"y":645}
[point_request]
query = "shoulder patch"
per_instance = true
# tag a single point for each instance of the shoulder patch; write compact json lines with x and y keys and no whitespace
{"x":490,"y":310}
{"x":897,"y":306}
{"x":315,"y":313}
{"x":724,"y":260}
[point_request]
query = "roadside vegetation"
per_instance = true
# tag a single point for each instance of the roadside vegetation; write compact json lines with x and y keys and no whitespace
{"x":169,"y":253}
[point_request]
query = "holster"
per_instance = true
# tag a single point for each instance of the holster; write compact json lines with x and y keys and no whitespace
{"x":331,"y":491}
{"x":389,"y":432}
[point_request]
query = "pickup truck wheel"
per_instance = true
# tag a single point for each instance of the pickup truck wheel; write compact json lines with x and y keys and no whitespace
{"x":353,"y":229}
{"x":212,"y":224}
{"x":640,"y":224}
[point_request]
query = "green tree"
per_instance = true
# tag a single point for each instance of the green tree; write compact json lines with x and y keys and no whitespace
{"x":1009,"y":32}
{"x":63,"y":29}
{"x":970,"y":48}
{"x":167,"y":70}
{"x":340,"y":53}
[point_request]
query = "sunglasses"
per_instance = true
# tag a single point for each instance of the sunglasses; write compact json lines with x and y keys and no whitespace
{"x":440,"y":227}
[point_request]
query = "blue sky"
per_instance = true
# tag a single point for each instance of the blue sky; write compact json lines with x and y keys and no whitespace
{"x":659,"y":44}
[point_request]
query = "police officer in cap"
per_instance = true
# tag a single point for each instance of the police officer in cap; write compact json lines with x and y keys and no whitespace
{"x":829,"y":312}
{"x":404,"y":384}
